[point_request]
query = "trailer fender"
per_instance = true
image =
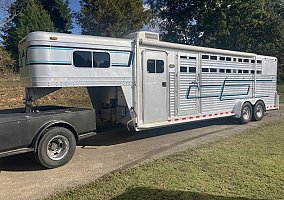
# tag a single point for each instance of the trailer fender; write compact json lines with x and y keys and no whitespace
{"x":53,"y":123}
{"x":239,"y":104}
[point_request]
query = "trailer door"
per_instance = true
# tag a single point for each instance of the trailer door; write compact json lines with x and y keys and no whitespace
{"x":189,"y":101}
{"x":154,"y":86}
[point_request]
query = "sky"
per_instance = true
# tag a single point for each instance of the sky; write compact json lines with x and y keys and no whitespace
{"x":75,"y":6}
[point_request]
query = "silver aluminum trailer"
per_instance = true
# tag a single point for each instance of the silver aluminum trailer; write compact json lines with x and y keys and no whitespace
{"x":147,"y":83}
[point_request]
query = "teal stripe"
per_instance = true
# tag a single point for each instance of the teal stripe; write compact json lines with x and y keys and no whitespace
{"x":119,"y":52}
{"x":248,"y":80}
{"x":50,"y":61}
{"x":264,"y":80}
{"x":52,"y":48}
{"x":218,"y":95}
{"x":119,"y":63}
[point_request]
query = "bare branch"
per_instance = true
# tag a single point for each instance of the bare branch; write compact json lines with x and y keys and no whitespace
{"x":8,"y":20}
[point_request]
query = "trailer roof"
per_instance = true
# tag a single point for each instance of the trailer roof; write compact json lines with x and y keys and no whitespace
{"x":73,"y":38}
{"x":184,"y":47}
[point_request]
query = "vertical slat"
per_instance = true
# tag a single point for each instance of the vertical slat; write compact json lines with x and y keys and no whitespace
{"x":172,"y":94}
{"x":187,"y":89}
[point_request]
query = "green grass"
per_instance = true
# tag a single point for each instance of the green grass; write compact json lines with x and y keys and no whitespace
{"x":280,"y":89}
{"x":247,"y":166}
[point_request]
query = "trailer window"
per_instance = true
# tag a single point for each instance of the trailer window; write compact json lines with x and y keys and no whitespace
{"x":82,"y":59}
{"x":222,"y":70}
{"x":240,"y":60}
{"x":228,"y":59}
{"x":259,"y":61}
{"x":183,"y":69}
{"x":252,"y":71}
{"x":246,"y":60}
{"x":159,"y":66}
{"x":246,"y":71}
{"x":206,"y":57}
{"x":258,"y":72}
{"x":151,"y":66}
{"x":240,"y":71}
{"x":155,"y":66}
{"x":213,"y":58}
{"x":205,"y":69}
{"x":101,"y":60}
{"x":228,"y":71}
{"x":192,"y":69}
{"x":213,"y":70}
{"x":222,"y":58}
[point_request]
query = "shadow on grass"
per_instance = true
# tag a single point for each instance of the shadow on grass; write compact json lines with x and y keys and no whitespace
{"x":142,"y":193}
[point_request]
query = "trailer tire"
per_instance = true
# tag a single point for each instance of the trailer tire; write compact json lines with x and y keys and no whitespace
{"x":246,"y":113}
{"x":56,"y":147}
{"x":258,"y":111}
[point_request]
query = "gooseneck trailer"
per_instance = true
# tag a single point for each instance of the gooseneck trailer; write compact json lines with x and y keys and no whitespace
{"x":145,"y":83}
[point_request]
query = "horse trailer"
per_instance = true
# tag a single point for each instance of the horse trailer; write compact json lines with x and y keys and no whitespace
{"x":146,"y":83}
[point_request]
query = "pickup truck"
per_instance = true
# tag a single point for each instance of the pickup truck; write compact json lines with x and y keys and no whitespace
{"x":50,"y":132}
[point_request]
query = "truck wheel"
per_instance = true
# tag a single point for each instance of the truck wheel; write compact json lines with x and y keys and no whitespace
{"x":56,"y":147}
{"x":258,"y":111}
{"x":246,"y":113}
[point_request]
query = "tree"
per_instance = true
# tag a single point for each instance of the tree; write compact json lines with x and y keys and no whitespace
{"x":60,"y":14}
{"x":252,"y":26}
{"x":176,"y":19}
{"x":238,"y":25}
{"x":31,"y":17}
{"x":232,"y":24}
{"x":7,"y":64}
{"x":114,"y":18}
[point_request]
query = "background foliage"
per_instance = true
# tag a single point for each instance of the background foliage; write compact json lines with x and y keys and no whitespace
{"x":115,"y":18}
{"x":7,"y":63}
{"x":60,"y":14}
{"x":252,"y":26}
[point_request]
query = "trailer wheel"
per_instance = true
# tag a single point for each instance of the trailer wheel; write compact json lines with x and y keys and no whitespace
{"x":56,"y":147}
{"x":246,"y":113}
{"x":258,"y":111}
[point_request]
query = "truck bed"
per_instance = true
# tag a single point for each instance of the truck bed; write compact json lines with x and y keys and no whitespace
{"x":20,"y":113}
{"x":19,"y":129}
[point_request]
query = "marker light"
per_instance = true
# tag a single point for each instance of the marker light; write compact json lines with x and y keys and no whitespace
{"x":53,"y":38}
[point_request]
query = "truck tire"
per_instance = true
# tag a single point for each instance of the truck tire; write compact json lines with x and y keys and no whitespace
{"x":56,"y":147}
{"x":246,"y":113}
{"x":258,"y":111}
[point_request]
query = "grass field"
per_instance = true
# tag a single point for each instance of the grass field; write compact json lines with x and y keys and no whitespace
{"x":247,"y":166}
{"x":280,"y":89}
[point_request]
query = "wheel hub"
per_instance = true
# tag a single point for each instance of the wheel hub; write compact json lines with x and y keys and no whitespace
{"x":57,"y":147}
{"x":246,"y":113}
{"x":259,"y":111}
